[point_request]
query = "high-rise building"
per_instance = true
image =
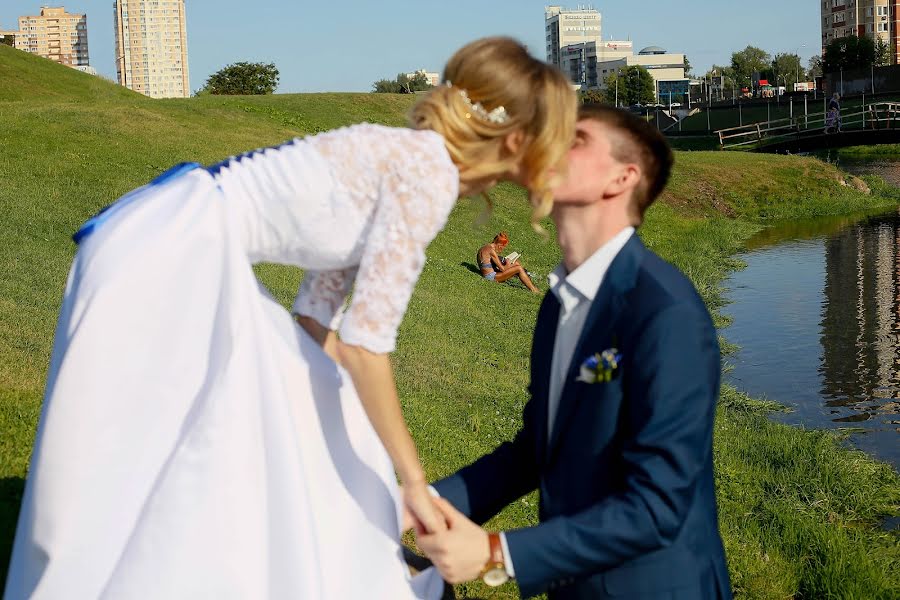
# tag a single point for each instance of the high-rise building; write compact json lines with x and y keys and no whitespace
{"x":579,"y":61}
{"x":151,"y":47}
{"x":876,"y":19}
{"x":569,"y":27}
{"x":575,"y":44}
{"x":55,"y":34}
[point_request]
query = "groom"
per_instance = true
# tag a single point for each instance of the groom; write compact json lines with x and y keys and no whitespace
{"x":617,"y":435}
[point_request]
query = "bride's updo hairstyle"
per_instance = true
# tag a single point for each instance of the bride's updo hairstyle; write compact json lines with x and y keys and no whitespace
{"x":493,"y":87}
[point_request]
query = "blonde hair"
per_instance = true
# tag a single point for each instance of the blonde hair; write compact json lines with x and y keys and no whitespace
{"x":538,"y":99}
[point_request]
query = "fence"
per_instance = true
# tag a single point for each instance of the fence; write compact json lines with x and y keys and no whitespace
{"x":883,"y":115}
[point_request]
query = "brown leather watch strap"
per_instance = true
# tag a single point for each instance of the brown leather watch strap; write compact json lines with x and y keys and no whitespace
{"x":496,"y":549}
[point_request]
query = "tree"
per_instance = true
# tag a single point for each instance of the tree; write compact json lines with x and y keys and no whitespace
{"x":815,"y":66}
{"x":8,"y":39}
{"x":719,"y":71}
{"x":687,"y":66}
{"x":386,"y":86}
{"x":882,"y":53}
{"x":403,"y":84}
{"x":635,"y":86}
{"x":417,"y":83}
{"x":849,"y":52}
{"x":593,"y":97}
{"x":243,"y":79}
{"x":747,"y":62}
{"x":788,"y":66}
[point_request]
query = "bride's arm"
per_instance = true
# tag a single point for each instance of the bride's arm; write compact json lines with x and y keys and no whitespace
{"x":318,"y":303}
{"x":418,"y":186}
{"x":374,"y":381}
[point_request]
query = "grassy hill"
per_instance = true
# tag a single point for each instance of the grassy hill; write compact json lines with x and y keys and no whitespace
{"x":798,"y":513}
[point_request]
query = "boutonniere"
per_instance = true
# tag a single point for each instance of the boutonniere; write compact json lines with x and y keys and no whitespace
{"x":600,"y":367}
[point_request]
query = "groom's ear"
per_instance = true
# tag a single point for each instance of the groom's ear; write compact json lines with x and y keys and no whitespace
{"x":626,"y":180}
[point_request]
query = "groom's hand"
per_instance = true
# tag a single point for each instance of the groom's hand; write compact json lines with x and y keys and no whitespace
{"x":459,"y":553}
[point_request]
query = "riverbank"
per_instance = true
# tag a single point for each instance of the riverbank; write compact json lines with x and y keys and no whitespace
{"x":799,"y":514}
{"x":860,"y":152}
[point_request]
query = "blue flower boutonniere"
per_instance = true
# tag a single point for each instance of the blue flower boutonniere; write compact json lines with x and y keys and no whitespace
{"x":600,"y":367}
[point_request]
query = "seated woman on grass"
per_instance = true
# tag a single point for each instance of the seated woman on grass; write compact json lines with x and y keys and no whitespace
{"x":495,"y":268}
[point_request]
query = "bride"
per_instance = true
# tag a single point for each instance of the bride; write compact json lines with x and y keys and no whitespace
{"x":194,"y":442}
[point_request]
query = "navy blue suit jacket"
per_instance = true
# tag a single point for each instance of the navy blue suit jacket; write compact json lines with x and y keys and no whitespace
{"x":627,"y":505}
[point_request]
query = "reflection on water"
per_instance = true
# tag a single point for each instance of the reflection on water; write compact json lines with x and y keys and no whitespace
{"x":804,"y":229}
{"x":818,"y":321}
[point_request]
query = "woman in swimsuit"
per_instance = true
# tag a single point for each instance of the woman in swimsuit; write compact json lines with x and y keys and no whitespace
{"x":494,"y":268}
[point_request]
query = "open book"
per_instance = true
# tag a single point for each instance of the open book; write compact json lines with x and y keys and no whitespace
{"x":512,"y":257}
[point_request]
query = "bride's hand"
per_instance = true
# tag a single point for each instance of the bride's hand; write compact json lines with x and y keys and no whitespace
{"x":420,"y":504}
{"x":408,"y":521}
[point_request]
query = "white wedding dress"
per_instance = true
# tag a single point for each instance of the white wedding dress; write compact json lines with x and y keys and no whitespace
{"x":194,"y":442}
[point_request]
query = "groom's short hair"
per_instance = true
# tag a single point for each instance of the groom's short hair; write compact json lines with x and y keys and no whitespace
{"x":642,"y":144}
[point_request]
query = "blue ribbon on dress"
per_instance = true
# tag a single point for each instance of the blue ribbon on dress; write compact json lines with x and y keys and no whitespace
{"x":97,"y":220}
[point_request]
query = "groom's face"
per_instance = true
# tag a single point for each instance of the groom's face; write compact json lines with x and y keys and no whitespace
{"x":592,"y":166}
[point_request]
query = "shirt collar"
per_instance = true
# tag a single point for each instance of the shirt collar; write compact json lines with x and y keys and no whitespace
{"x":586,"y":278}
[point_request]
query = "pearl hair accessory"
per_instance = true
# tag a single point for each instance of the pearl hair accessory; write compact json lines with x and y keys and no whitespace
{"x":498,"y":116}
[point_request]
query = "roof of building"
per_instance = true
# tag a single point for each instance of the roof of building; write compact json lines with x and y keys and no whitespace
{"x":652,"y":50}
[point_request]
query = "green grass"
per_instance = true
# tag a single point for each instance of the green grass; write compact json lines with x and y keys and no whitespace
{"x":877,"y":151}
{"x":692,"y":143}
{"x":798,"y":513}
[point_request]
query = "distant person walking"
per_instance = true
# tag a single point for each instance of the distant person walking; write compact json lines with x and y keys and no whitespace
{"x":833,"y":118}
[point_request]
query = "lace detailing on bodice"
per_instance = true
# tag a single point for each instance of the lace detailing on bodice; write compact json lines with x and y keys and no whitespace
{"x":406,"y":183}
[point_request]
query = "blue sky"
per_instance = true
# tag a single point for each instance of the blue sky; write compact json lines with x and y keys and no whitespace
{"x":345,"y":46}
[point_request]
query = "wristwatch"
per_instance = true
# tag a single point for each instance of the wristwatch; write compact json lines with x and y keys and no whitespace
{"x":494,"y":571}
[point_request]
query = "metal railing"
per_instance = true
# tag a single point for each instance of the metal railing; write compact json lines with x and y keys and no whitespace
{"x":882,"y":115}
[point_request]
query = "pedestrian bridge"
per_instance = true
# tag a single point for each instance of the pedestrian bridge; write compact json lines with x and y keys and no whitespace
{"x":874,"y":124}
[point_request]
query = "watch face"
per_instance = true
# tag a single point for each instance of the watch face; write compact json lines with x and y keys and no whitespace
{"x":496,"y":576}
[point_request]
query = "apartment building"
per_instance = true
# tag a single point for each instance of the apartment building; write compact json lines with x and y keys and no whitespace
{"x":151,"y":47}
{"x":55,"y":34}
{"x":876,"y":19}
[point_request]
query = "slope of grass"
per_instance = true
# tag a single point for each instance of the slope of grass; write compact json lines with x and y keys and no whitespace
{"x":798,"y":513}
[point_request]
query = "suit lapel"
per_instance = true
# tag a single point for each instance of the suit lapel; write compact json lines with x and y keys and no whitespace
{"x":542,"y":351}
{"x":602,"y":318}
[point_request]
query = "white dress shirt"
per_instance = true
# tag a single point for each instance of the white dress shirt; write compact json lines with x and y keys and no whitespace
{"x":575,"y":292}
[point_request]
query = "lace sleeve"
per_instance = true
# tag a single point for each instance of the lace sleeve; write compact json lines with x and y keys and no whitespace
{"x":417,"y":191}
{"x":322,"y":295}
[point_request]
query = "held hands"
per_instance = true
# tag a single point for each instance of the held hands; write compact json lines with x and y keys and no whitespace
{"x":459,"y":552}
{"x":420,"y":511}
